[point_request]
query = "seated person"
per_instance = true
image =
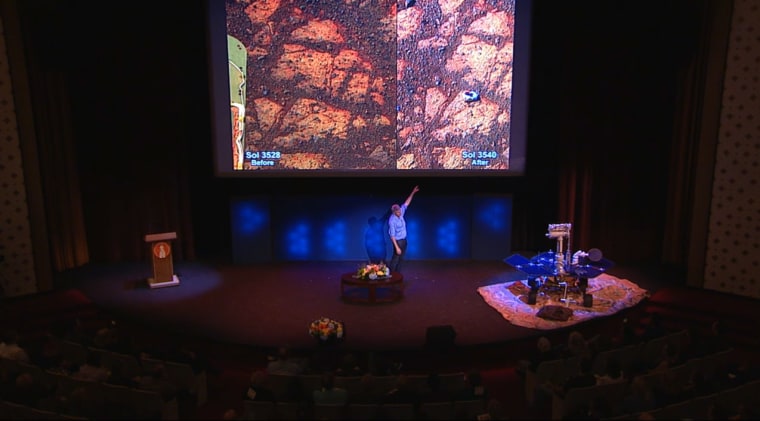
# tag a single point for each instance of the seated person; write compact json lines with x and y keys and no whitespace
{"x":10,"y":348}
{"x":402,"y":392}
{"x":257,"y":390}
{"x":26,"y":390}
{"x":369,"y":391}
{"x":613,"y":373}
{"x":92,"y":369}
{"x":157,"y":380}
{"x":349,"y":367}
{"x":284,"y":363}
{"x":640,"y":398}
{"x":433,"y":391}
{"x":328,"y":394}
{"x":583,"y":378}
{"x":544,"y":352}
{"x":655,"y":328}
{"x":473,"y":388}
{"x":118,"y":375}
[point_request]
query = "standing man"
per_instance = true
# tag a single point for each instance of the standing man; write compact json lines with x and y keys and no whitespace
{"x":397,"y":230}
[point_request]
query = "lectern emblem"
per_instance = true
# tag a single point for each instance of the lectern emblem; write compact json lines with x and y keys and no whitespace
{"x":161,"y":250}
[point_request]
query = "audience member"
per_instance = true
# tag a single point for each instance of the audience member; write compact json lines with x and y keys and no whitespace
{"x":600,"y":408}
{"x":368,"y":391}
{"x":655,"y":328}
{"x":744,"y":412}
{"x":640,"y":397}
{"x":645,"y":416}
{"x":667,"y":359}
{"x":577,"y":346}
{"x":702,"y":343}
{"x":741,"y":371}
{"x":402,"y":392}
{"x":627,"y":335}
{"x":257,"y":389}
{"x":183,"y":353}
{"x":581,"y":411}
{"x":80,"y":402}
{"x":718,"y":411}
{"x":54,"y":402}
{"x":595,"y":344}
{"x":76,"y":332}
{"x":10,"y":348}
{"x":691,"y":343}
{"x":433,"y":391}
{"x":117,"y":375}
{"x":495,"y":410}
{"x":544,"y":352}
{"x":635,"y":364}
{"x":583,"y":378}
{"x":65,"y":367}
{"x":112,"y":338}
{"x":198,"y":360}
{"x":294,"y":391}
{"x":349,"y":366}
{"x":669,"y":390}
{"x":381,"y":365}
{"x":329,"y":394}
{"x":613,"y":373}
{"x":715,"y":340}
{"x":231,"y":414}
{"x":7,"y":380}
{"x":93,"y":368}
{"x":157,"y":380}
{"x":284,"y":363}
{"x":699,"y":385}
{"x":27,"y":391}
{"x":603,"y":341}
{"x":473,"y":387}
{"x":50,"y":352}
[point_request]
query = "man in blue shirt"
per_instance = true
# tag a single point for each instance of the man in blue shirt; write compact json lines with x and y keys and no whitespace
{"x":397,"y":230}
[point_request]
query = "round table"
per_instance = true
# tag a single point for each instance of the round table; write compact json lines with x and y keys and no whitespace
{"x":357,"y":290}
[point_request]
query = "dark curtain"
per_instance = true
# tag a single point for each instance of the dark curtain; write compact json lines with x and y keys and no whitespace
{"x":134,"y":115}
{"x":695,"y":137}
{"x":112,"y":156}
{"x":61,"y":188}
{"x":630,"y":100}
{"x":53,"y":137}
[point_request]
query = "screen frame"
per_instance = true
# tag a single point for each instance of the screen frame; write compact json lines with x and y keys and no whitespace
{"x":222,"y":131}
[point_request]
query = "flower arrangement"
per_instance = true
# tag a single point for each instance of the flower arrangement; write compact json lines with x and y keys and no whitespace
{"x":324,"y":328}
{"x":373,"y":271}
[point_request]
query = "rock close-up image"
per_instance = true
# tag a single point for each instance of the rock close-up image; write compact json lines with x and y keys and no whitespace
{"x":370,"y":85}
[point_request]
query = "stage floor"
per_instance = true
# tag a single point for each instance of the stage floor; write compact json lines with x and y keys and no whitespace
{"x":271,"y":305}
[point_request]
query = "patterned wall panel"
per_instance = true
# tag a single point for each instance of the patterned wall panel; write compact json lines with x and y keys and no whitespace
{"x":17,"y":268}
{"x":733,"y":249}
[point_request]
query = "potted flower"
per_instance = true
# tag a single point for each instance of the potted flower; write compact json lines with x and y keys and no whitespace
{"x":373,"y":271}
{"x":325,"y":329}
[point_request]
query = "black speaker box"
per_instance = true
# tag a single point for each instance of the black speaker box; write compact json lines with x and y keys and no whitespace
{"x":583,"y":284}
{"x":588,"y":300}
{"x":440,"y":337}
{"x":532,"y":297}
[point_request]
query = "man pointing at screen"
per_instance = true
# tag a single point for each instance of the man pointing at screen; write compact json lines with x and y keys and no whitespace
{"x":397,"y":230}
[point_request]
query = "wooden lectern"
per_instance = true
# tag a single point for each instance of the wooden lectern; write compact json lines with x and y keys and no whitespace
{"x":161,"y":255}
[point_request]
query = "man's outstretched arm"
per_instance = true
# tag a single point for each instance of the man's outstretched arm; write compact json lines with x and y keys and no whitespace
{"x":411,"y":195}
